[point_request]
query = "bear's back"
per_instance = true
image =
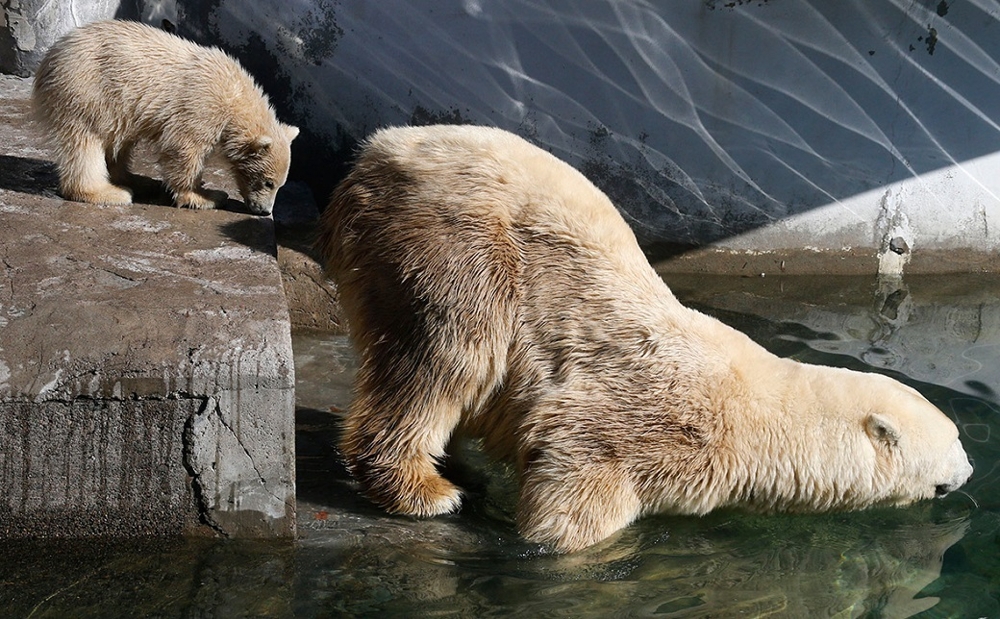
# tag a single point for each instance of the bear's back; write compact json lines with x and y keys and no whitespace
{"x":136,"y":70}
{"x":490,"y":172}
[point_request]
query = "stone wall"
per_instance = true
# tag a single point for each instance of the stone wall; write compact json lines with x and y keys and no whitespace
{"x":802,"y":125}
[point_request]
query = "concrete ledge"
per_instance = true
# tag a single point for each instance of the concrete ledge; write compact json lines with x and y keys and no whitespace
{"x":146,"y":373}
{"x":846,"y":261}
{"x":313,"y":300}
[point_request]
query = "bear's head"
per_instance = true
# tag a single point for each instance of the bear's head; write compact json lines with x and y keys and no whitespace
{"x":260,"y":165}
{"x":850,"y":440}
{"x":914,"y":447}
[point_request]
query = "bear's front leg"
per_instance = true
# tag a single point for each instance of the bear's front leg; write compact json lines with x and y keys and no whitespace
{"x":571,"y":509}
{"x":182,"y":175}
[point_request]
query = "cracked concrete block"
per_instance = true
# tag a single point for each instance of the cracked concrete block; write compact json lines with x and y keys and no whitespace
{"x":247,"y":491}
{"x":146,"y":373}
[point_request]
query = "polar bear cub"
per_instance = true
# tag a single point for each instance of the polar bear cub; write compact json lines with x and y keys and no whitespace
{"x":492,"y":291}
{"x":106,"y":86}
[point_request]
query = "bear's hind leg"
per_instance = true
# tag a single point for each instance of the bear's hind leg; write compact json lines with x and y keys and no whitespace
{"x":392,"y":447}
{"x":83,"y":174}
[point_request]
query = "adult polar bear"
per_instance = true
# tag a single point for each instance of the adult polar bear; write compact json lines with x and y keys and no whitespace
{"x":493,"y":291}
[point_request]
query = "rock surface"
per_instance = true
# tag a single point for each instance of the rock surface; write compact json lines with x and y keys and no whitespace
{"x":146,"y":373}
{"x":30,"y":27}
{"x":313,"y":301}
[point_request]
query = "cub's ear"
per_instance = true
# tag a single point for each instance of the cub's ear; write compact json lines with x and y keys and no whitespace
{"x":882,"y":430}
{"x":290,"y":132}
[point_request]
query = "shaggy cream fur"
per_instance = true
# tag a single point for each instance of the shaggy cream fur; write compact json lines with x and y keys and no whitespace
{"x":492,"y":290}
{"x":108,"y":85}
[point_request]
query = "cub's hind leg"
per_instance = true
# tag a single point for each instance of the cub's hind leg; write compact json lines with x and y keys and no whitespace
{"x":83,"y":172}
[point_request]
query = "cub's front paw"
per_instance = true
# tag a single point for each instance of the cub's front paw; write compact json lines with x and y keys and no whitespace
{"x":202,"y":199}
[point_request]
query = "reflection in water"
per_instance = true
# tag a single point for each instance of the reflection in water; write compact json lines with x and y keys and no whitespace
{"x":354,"y":560}
{"x":882,"y":562}
{"x":146,"y":578}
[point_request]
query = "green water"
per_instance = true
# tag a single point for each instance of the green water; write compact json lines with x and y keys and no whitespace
{"x":935,"y":559}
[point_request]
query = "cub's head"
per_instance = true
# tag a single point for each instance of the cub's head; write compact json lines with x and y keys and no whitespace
{"x":260,"y":166}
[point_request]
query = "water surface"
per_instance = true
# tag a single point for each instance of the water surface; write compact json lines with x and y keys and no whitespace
{"x":935,"y":559}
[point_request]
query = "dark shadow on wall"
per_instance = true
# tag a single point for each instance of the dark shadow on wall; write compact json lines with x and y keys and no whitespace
{"x":740,"y":115}
{"x":321,"y":161}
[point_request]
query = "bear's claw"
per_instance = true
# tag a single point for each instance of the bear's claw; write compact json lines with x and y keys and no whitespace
{"x":434,"y":497}
{"x":412,"y":487}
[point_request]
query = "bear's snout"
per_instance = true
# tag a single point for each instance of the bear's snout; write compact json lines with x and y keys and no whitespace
{"x":943,"y":489}
{"x":959,"y":467}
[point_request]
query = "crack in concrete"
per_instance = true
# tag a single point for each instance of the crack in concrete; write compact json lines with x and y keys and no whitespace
{"x":197,"y":487}
{"x":246,"y":452}
{"x":117,"y":274}
{"x":103,"y":269}
{"x":986,"y":221}
{"x":196,"y":470}
{"x":9,"y":269}
{"x":322,"y":286}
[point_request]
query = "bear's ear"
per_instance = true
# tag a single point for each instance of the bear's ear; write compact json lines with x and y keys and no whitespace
{"x":262,"y":142}
{"x":290,"y":132}
{"x":882,"y":430}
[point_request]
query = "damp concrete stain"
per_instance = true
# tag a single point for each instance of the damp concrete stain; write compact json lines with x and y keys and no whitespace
{"x":931,"y":40}
{"x":422,"y":116}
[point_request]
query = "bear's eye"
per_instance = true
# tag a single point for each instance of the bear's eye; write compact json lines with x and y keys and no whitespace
{"x":269,"y":184}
